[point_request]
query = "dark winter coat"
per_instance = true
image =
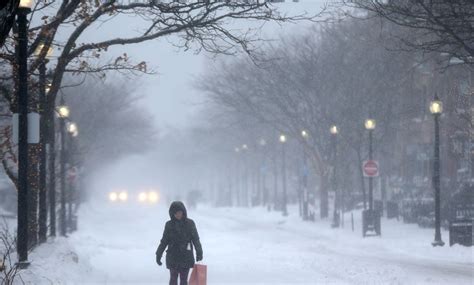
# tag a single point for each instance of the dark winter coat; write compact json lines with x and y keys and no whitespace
{"x":180,"y":236}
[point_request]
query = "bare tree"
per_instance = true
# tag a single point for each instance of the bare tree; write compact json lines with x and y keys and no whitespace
{"x":9,"y":271}
{"x":112,"y":123}
{"x":335,"y":74}
{"x":435,"y":26}
{"x":203,"y":25}
{"x":7,"y":16}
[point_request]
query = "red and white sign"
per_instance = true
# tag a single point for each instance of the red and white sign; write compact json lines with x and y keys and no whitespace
{"x":371,"y":168}
{"x":72,"y":174}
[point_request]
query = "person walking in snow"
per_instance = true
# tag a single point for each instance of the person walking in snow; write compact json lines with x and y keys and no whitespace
{"x":180,"y":236}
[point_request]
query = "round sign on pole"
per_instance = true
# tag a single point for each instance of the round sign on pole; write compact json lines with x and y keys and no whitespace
{"x":371,"y":168}
{"x":72,"y":174}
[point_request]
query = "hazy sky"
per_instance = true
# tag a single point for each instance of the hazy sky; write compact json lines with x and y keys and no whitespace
{"x":169,"y":95}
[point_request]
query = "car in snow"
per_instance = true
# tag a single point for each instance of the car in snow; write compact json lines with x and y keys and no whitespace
{"x":142,"y":197}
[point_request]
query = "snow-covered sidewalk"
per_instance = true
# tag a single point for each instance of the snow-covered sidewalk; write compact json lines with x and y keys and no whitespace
{"x":116,"y":245}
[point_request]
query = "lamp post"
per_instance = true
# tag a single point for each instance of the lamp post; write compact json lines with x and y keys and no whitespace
{"x":370,"y":126}
{"x":237,"y":176}
{"x":245,"y":197}
{"x":436,"y":108}
{"x":63,"y":112}
{"x":73,"y":132}
{"x":262,"y":173}
{"x":334,"y":131}
{"x":43,"y":89}
{"x":304,"y":181}
{"x":283,"y":173}
{"x":24,"y":9}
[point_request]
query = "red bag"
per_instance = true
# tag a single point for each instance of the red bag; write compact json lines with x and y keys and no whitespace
{"x":198,"y":275}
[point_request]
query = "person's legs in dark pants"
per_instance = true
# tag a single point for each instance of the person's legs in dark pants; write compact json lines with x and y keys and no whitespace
{"x":183,"y":276}
{"x":174,"y":276}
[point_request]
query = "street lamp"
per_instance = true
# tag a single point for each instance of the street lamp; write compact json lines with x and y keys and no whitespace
{"x":24,"y":9}
{"x":436,"y":109}
{"x":73,"y":132}
{"x":370,"y":218}
{"x":334,"y":131}
{"x":304,"y":134}
{"x":63,"y":112}
{"x":72,"y":128}
{"x":283,"y":159}
{"x":238,"y":177}
{"x":304,"y":183}
{"x":261,"y":178}
{"x":245,"y":148}
{"x":370,"y":126}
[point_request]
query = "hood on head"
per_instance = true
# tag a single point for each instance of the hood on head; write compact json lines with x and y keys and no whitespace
{"x":175,"y":207}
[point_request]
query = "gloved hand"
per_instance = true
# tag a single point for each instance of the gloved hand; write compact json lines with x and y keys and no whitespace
{"x":158,"y":260}
{"x":199,"y":258}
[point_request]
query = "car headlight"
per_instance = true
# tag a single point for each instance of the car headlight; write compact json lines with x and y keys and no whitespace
{"x":153,"y":197}
{"x":113,"y":196}
{"x":142,"y":197}
{"x":123,"y":196}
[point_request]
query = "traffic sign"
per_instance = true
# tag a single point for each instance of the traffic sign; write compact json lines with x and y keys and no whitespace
{"x":72,"y":174}
{"x":371,"y":168}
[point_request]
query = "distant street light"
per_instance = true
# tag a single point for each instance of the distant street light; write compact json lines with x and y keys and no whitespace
{"x":73,"y":131}
{"x":304,"y":183}
{"x":370,"y":218}
{"x":245,"y":149}
{"x":238,"y":177}
{"x":304,"y":134}
{"x":370,"y":126}
{"x":24,"y":9}
{"x":261,"y":178}
{"x":63,"y":112}
{"x":283,"y":157}
{"x":436,"y":108}
{"x":334,"y":131}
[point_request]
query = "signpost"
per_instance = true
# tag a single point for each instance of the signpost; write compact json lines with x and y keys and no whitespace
{"x":371,"y":217}
{"x":371,"y":168}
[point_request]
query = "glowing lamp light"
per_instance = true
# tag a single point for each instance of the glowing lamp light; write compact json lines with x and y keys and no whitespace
{"x":304,"y":134}
{"x":370,"y":124}
{"x":245,"y":147}
{"x":123,"y":196}
{"x":113,"y":196}
{"x":40,"y":48}
{"x":72,"y":128}
{"x":282,"y":138}
{"x":48,"y":87}
{"x":334,"y":130}
{"x":63,"y":111}
{"x":237,"y":149}
{"x":436,"y":106}
{"x":262,"y":142}
{"x":26,"y":4}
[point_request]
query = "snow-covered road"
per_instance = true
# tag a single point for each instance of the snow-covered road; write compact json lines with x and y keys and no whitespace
{"x":252,"y":246}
